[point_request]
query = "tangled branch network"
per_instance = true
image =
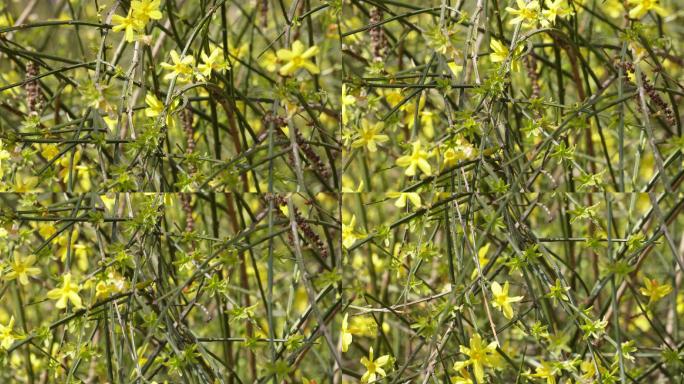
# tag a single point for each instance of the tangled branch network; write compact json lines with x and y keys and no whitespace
{"x":341,"y":191}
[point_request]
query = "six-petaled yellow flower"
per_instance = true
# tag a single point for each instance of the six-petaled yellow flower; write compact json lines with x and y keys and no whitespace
{"x":269,"y":61}
{"x":502,"y":301}
{"x":140,"y":13}
{"x":500,"y":53}
{"x":212,"y":62}
{"x":155,"y":107}
{"x":642,"y":7}
{"x":554,"y":9}
{"x":181,"y":67}
{"x":373,"y":367}
{"x":146,"y":10}
{"x":7,"y":335}
{"x":22,"y":268}
{"x":459,"y":150}
{"x":369,"y":136}
{"x":527,"y":13}
{"x":654,"y":290}
{"x":416,"y":160}
{"x":129,"y":24}
{"x":547,"y":370}
{"x":480,"y":355}
{"x":67,"y":292}
{"x":349,"y":232}
{"x":296,"y":58}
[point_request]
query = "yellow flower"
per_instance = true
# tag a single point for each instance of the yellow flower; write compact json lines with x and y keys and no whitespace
{"x":526,"y":13}
{"x":589,"y":371}
{"x":81,"y":172}
{"x":500,"y":53}
{"x":130,"y":24}
{"x":462,"y":378}
{"x":548,"y":371}
{"x":427,"y":122}
{"x":50,"y":151}
{"x":345,"y":333}
{"x":213,"y":62}
{"x":554,"y":9}
{"x":102,"y":290}
{"x":366,"y":325}
{"x":459,"y":151}
{"x":369,"y":135}
{"x":21,"y":269}
{"x":7,"y":335}
{"x":111,"y":285}
{"x":417,"y":159}
{"x":60,"y":242}
{"x":409,"y":109}
{"x":480,"y":356}
{"x":349,"y":233}
{"x":238,"y":52}
{"x":643,"y":6}
{"x":155,"y":107}
{"x":347,"y":100}
{"x":180,"y":67}
{"x":482,"y":259}
{"x":269,"y":61}
{"x":654,"y":290}
{"x":3,"y":152}
{"x":4,"y":155}
{"x":402,"y":197}
{"x":373,"y":367}
{"x":297,"y":58}
{"x":46,"y":230}
{"x":348,"y":184}
{"x":25,"y":184}
{"x":612,"y":8}
{"x":393,"y":97}
{"x":67,"y":292}
{"x":6,"y":20}
{"x":454,"y":67}
{"x":501,"y":299}
{"x":144,"y":10}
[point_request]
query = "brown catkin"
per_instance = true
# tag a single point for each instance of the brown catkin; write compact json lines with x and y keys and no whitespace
{"x":303,"y":226}
{"x":186,"y":119}
{"x":305,"y":147}
{"x":186,"y":200}
{"x":311,"y":154}
{"x":378,"y":41}
{"x":33,"y":95}
{"x":531,"y":65}
{"x":659,"y":104}
{"x":264,"y":13}
{"x":187,"y":128}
